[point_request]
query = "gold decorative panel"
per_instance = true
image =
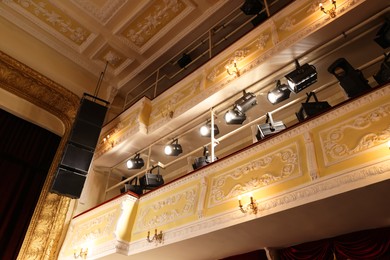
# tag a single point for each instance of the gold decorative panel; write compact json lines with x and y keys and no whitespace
{"x":45,"y":12}
{"x":154,"y":21}
{"x":168,"y":208}
{"x":259,"y":170}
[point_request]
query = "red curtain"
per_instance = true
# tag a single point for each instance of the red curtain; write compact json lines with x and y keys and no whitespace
{"x":26,"y":153}
{"x":362,"y":245}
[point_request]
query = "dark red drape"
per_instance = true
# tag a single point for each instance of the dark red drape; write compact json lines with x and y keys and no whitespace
{"x":26,"y":153}
{"x":362,"y":245}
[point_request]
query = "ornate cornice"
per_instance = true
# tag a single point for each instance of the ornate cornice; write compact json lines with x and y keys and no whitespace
{"x":32,"y":86}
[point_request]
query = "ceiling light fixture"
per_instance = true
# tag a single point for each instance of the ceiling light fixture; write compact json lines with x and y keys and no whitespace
{"x":174,"y":148}
{"x":302,"y":77}
{"x":332,"y":11}
{"x":135,"y":163}
{"x":280,"y":93}
{"x":205,"y":130}
{"x":251,"y":7}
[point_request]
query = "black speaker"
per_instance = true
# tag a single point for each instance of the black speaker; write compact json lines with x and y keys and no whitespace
{"x":251,"y":7}
{"x":78,"y":153}
{"x":68,"y":183}
{"x":77,"y":157}
{"x":85,"y":134}
{"x":184,"y":60}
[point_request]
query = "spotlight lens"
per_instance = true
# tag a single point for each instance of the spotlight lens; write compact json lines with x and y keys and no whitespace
{"x":204,"y":130}
{"x":272,"y":97}
{"x":168,"y":150}
{"x":228,"y":116}
{"x":130,"y":164}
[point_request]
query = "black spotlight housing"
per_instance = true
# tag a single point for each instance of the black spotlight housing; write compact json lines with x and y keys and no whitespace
{"x":184,"y":60}
{"x":383,"y":75}
{"x":251,"y":7}
{"x":203,"y":160}
{"x":309,"y":109}
{"x":382,"y":37}
{"x":351,"y":80}
{"x":135,"y":163}
{"x":234,"y":117}
{"x":173,"y":149}
{"x":205,"y":130}
{"x":302,"y":77}
{"x":280,"y":93}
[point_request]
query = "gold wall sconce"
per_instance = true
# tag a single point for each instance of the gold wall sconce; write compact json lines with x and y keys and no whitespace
{"x":108,"y":139}
{"x":332,"y":11}
{"x":250,"y":208}
{"x":235,"y":71}
{"x":82,"y":253}
{"x":157,"y":237}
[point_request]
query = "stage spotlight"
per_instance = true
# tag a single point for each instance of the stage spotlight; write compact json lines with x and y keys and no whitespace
{"x":246,"y":102}
{"x":135,"y":163}
{"x":203,"y":160}
{"x":309,"y":109}
{"x":351,"y":80}
{"x":173,"y":149}
{"x":279,"y":93}
{"x":251,"y":7}
{"x":270,"y":127}
{"x":302,"y":77}
{"x":234,"y":117}
{"x":382,"y":38}
{"x":206,"y":130}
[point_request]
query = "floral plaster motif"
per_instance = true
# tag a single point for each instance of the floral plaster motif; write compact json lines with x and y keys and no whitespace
{"x":335,"y":139}
{"x":288,"y":24}
{"x":167,"y":210}
{"x":145,"y":27}
{"x":52,"y":16}
{"x":258,"y":173}
{"x":262,"y":41}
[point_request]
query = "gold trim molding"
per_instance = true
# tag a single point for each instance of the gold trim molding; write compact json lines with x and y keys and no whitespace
{"x":49,"y":221}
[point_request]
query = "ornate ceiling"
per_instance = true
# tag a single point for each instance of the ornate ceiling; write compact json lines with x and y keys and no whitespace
{"x":78,"y":37}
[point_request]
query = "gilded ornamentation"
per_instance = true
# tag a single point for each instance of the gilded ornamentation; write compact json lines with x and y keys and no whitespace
{"x":262,"y":172}
{"x":154,"y":21}
{"x":262,"y":41}
{"x":165,"y":211}
{"x":213,"y":74}
{"x":335,"y":141}
{"x":288,"y":24}
{"x":53,"y":17}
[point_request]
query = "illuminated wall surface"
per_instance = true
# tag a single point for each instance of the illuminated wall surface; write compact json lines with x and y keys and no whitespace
{"x":343,"y":149}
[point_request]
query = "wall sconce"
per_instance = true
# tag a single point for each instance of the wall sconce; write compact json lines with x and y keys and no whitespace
{"x":235,"y":72}
{"x":173,"y":149}
{"x":82,"y":254}
{"x":135,"y":163}
{"x":107,"y":139}
{"x":280,"y":93}
{"x":388,"y":144}
{"x":251,"y":207}
{"x":331,"y":11}
{"x":157,"y":237}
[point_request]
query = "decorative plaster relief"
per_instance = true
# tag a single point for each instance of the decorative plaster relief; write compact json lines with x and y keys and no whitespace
{"x":170,"y":209}
{"x":273,"y":167}
{"x":360,"y":133}
{"x":42,"y":11}
{"x":103,"y":12}
{"x":155,"y":21}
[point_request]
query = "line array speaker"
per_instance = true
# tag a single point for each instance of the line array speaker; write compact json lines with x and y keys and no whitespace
{"x":79,"y":149}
